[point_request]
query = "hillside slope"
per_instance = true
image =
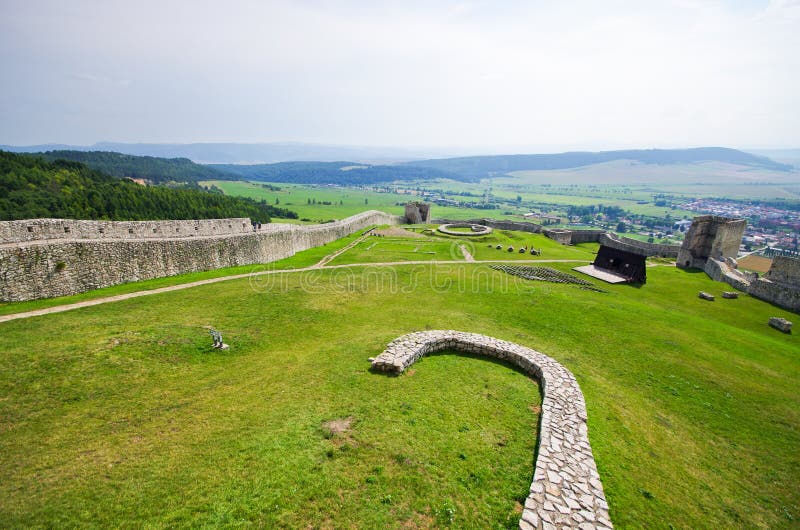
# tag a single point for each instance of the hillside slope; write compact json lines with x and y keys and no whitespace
{"x":343,"y":173}
{"x":157,"y":170}
{"x":484,"y":166}
{"x":32,"y":187}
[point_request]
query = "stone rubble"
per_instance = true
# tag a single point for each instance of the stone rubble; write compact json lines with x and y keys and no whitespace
{"x":781,"y":324}
{"x":706,"y":296}
{"x":730,"y":294}
{"x":566,"y":491}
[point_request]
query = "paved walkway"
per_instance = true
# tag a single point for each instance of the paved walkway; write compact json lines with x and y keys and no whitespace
{"x":317,"y":266}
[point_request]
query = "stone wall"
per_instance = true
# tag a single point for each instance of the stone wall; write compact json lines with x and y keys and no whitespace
{"x":498,"y":224}
{"x":71,"y":229}
{"x":710,"y":236}
{"x":559,"y":235}
{"x":566,"y":491}
{"x":511,"y":225}
{"x":781,"y":293}
{"x":641,"y":248}
{"x":785,"y":270}
{"x":573,"y":237}
{"x":56,"y":267}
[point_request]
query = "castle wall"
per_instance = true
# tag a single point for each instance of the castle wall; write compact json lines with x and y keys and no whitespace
{"x":586,"y":236}
{"x":780,"y":295}
{"x":641,"y":248}
{"x":573,"y":237}
{"x":56,"y":267}
{"x":785,"y":270}
{"x":71,"y":229}
{"x":559,"y":235}
{"x":511,"y":225}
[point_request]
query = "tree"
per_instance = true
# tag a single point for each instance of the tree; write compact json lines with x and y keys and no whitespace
{"x":621,"y":227}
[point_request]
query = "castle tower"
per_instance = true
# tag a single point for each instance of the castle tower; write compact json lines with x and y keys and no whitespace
{"x":418,"y":213}
{"x":710,"y":236}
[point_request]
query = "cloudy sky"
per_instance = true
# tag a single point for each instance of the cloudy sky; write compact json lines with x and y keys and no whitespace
{"x":536,"y":75}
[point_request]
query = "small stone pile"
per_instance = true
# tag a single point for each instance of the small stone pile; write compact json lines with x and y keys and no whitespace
{"x":730,"y":294}
{"x":706,"y":296}
{"x":546,"y":274}
{"x":566,"y":491}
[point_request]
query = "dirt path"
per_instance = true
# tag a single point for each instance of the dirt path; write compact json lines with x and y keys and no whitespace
{"x":467,"y":255}
{"x":127,"y":296}
{"x":330,"y":257}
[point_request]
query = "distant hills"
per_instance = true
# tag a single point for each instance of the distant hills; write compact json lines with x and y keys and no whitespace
{"x":484,"y":166}
{"x":159,"y":170}
{"x":342,"y":173}
{"x":236,"y":153}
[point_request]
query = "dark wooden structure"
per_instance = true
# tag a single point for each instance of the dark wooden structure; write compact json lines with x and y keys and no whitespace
{"x":627,"y":264}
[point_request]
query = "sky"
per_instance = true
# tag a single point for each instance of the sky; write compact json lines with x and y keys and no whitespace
{"x":496,"y":75}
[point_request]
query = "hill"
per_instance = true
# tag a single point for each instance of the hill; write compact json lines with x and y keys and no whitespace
{"x":255,"y":153}
{"x":33,"y":187}
{"x":484,"y":166}
{"x":157,"y":170}
{"x":343,"y":173}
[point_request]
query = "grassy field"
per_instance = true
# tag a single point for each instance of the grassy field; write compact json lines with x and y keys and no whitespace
{"x":344,"y":201}
{"x":441,"y":247}
{"x":122,"y":415}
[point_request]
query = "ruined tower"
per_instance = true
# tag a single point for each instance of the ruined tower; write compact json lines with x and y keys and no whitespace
{"x":711,"y":236}
{"x":418,"y":213}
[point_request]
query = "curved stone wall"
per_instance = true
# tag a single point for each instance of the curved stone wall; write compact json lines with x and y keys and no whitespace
{"x":641,"y":248}
{"x":56,"y":267}
{"x":477,"y":230}
{"x":566,"y":491}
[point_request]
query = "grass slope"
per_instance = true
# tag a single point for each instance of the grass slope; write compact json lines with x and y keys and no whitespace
{"x":119,"y":415}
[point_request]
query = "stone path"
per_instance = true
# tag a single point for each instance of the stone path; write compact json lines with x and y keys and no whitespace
{"x":566,"y":491}
{"x":467,"y":255}
{"x":117,"y":298}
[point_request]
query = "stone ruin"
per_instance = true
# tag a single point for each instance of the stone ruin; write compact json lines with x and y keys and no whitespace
{"x":712,"y":244}
{"x":566,"y":491}
{"x":418,"y":213}
{"x":710,"y":237}
{"x":781,"y":324}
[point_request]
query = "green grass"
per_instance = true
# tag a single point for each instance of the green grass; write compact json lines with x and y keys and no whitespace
{"x":442,"y":247}
{"x":120,"y":415}
{"x":390,"y":249}
{"x":295,"y":197}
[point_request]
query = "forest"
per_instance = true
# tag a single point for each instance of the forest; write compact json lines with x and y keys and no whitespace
{"x":32,"y":187}
{"x":157,"y":170}
{"x":341,"y":173}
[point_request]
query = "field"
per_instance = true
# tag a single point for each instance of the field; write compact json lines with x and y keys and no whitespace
{"x":122,"y":415}
{"x":437,"y":246}
{"x":349,"y":201}
{"x":344,"y":202}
